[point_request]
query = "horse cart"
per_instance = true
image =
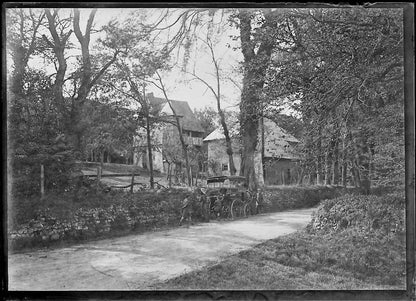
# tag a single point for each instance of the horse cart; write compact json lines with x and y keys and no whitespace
{"x":228,"y":197}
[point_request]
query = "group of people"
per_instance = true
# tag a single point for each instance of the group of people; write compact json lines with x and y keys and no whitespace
{"x":198,"y":200}
{"x":197,"y":197}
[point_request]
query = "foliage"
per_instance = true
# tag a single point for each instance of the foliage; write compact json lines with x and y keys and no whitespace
{"x":208,"y":118}
{"x":36,"y":137}
{"x":282,"y":198}
{"x":384,"y":214}
{"x":110,"y":129}
{"x":345,"y":68}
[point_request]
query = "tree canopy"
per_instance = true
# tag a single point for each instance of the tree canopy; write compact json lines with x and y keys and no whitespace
{"x":340,"y":70}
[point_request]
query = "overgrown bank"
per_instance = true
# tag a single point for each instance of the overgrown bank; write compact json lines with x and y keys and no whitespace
{"x":61,"y":218}
{"x":353,"y":242}
{"x":58,"y":218}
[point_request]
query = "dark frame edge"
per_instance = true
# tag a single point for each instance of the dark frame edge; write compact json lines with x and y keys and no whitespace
{"x":409,"y":94}
{"x":408,"y":294}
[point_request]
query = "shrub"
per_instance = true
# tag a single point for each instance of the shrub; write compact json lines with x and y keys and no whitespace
{"x":294,"y":197}
{"x":365,"y":212}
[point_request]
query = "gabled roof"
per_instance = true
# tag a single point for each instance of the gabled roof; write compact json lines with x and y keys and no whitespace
{"x":277,"y":142}
{"x":218,"y":134}
{"x":271,"y":128}
{"x":182,"y":109}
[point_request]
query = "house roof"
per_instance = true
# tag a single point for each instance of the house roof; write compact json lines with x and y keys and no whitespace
{"x":182,"y":109}
{"x":271,"y":128}
{"x":277,"y":142}
{"x":218,"y":134}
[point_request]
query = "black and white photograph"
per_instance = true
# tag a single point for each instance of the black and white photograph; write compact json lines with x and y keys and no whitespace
{"x":208,"y":148}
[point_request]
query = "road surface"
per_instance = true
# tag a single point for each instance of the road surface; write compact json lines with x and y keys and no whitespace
{"x":136,"y":262}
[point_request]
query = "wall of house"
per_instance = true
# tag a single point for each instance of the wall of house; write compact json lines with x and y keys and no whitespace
{"x":217,"y":153}
{"x":278,"y":171}
{"x":141,"y":155}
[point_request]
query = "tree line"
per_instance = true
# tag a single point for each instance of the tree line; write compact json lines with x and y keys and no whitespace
{"x":340,"y":69}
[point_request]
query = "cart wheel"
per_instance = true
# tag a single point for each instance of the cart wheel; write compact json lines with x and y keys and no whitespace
{"x":234,"y":209}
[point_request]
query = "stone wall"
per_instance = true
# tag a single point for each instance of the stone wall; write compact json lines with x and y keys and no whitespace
{"x":161,"y":210}
{"x":128,"y":215}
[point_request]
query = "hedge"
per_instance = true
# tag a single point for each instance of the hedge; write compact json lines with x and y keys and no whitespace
{"x":281,"y":198}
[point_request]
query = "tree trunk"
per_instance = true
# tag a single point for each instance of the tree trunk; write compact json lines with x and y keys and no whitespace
{"x":228,"y":142}
{"x":328,"y":160}
{"x":87,"y":80}
{"x":185,"y":152}
{"x":301,"y":176}
{"x":150,"y":153}
{"x":344,"y":164}
{"x":179,"y":127}
{"x":255,"y":66}
{"x":319,"y":159}
{"x":364,"y":163}
{"x":355,"y":175}
{"x":42,"y":181}
{"x":249,"y":128}
{"x":170,"y":174}
{"x":335,"y":164}
{"x":319,"y":170}
{"x":344,"y":174}
{"x":312,"y":178}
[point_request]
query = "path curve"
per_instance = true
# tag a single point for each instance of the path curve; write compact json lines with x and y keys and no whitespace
{"x":138,"y":261}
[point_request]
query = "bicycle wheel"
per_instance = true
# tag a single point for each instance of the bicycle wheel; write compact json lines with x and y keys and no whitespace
{"x":247,"y":210}
{"x":234,"y":208}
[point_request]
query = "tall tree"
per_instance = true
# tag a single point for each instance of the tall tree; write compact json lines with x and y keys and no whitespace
{"x":216,"y":91}
{"x":23,"y":40}
{"x":90,"y":69}
{"x":34,"y":127}
{"x":344,"y":66}
{"x":133,"y":74}
{"x":257,"y":47}
{"x":178,"y":125}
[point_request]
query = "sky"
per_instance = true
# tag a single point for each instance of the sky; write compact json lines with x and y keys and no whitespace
{"x":180,"y":86}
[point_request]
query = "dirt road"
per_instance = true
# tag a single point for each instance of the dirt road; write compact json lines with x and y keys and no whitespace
{"x":137,"y":261}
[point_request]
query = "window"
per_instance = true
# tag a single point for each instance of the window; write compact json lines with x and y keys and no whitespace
{"x":224,"y":167}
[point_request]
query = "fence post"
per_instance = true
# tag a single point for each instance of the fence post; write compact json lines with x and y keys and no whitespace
{"x":42,"y":181}
{"x":132,"y":182}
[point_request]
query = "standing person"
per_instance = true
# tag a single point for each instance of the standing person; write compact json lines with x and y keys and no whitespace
{"x":186,"y":210}
{"x":204,"y":203}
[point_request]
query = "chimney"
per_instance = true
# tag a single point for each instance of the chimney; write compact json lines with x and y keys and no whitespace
{"x":150,"y":95}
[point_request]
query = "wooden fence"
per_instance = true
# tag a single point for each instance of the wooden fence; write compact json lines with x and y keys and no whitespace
{"x":99,"y":175}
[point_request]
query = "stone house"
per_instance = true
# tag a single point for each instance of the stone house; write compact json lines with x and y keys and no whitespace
{"x":165,"y":136}
{"x":278,"y":154}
